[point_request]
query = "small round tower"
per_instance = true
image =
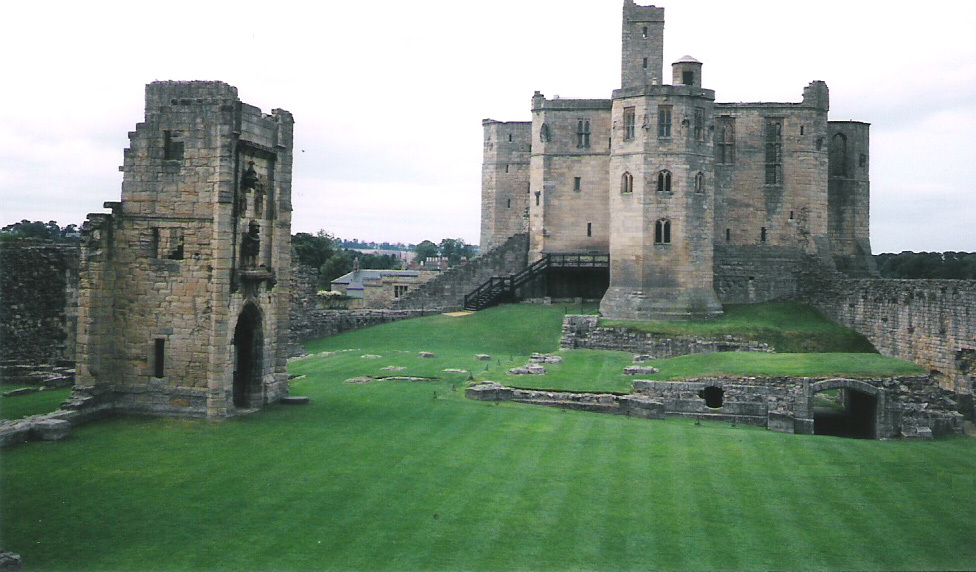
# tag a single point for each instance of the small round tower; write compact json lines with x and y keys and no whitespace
{"x":686,"y":71}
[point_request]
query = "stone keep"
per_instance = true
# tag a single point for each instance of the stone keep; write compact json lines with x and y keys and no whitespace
{"x":696,"y":201}
{"x":183,"y":294}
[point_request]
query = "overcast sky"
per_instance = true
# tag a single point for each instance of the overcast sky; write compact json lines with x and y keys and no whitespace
{"x":388,"y":96}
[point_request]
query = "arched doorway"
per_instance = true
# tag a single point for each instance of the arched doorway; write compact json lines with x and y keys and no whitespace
{"x":845,"y":408}
{"x":248,"y":354}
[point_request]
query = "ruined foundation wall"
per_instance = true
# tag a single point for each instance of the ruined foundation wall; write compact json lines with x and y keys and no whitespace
{"x":929,"y":322}
{"x":584,"y":332}
{"x":38,"y":301}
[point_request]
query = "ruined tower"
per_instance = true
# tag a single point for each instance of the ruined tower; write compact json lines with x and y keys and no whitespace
{"x":183,"y":293}
{"x":661,"y":213}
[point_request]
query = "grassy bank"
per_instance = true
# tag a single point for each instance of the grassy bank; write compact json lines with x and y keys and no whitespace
{"x":789,"y":327}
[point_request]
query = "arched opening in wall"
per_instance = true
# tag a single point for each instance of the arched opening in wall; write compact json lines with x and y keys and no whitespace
{"x":248,"y":358}
{"x":838,"y":155}
{"x":713,"y":396}
{"x":845,"y":412}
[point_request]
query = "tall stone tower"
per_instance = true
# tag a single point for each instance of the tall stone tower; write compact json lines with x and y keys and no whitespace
{"x":848,"y":197}
{"x":183,"y":292}
{"x":504,"y":180}
{"x":661,"y":223}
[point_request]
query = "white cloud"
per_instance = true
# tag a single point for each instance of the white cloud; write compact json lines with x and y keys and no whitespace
{"x":388,"y":96}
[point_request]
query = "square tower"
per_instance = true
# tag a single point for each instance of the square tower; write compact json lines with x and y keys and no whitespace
{"x":642,"y":53}
{"x":183,"y":293}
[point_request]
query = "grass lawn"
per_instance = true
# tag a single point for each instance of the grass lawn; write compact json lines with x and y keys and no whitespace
{"x":32,"y":404}
{"x":790,"y":327}
{"x":409,"y":475}
{"x":586,"y":370}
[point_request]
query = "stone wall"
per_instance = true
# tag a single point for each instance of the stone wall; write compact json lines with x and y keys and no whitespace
{"x":446,"y":292}
{"x":38,"y":301}
{"x":583,"y":332}
{"x":759,"y":273}
{"x":904,"y":406}
{"x":929,"y":322}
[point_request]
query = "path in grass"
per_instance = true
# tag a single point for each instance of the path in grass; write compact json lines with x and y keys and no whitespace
{"x":412,"y":476}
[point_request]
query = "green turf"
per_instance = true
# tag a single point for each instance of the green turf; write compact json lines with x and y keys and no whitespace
{"x":395,"y":475}
{"x":33,"y":404}
{"x":789,"y":327}
{"x":589,"y":370}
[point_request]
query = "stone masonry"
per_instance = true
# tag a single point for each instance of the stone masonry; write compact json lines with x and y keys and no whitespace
{"x":184,"y":286}
{"x":693,"y":199}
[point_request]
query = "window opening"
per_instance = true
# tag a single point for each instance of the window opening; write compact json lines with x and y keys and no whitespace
{"x":577,"y":184}
{"x":662,"y":232}
{"x":172,"y":146}
{"x":700,"y":182}
{"x":645,"y":63}
{"x":508,"y":205}
{"x":154,"y":242}
{"x":589,"y":229}
{"x":626,"y":183}
{"x":762,"y":234}
{"x":175,"y":244}
{"x":630,"y":123}
{"x":726,"y":141}
{"x":774,"y":152}
{"x":664,"y":182}
{"x":838,"y":155}
{"x":399,"y":291}
{"x":583,"y":133}
{"x":728,"y":235}
{"x":544,"y":133}
{"x":802,"y":129}
{"x":688,"y":77}
{"x":644,"y":32}
{"x":509,"y":137}
{"x":537,"y":195}
{"x":159,"y":355}
{"x":664,"y":121}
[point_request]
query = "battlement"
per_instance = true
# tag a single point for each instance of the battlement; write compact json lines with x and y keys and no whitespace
{"x":160,"y":93}
{"x":634,"y":12}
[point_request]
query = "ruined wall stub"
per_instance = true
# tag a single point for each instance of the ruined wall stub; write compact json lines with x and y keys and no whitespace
{"x":184,"y":286}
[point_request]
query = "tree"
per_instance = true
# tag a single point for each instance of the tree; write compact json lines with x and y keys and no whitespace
{"x":338,"y":264}
{"x":39,"y":230}
{"x":454,"y":249}
{"x":313,"y":250}
{"x":425,"y":250}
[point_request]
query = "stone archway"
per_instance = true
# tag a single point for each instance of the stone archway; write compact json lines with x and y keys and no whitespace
{"x":248,"y":358}
{"x":856,"y":411}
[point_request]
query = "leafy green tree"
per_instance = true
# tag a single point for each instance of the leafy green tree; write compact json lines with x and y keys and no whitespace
{"x":338,"y":264}
{"x":39,"y":230}
{"x":425,"y":250}
{"x":313,"y":250}
{"x":454,"y":249}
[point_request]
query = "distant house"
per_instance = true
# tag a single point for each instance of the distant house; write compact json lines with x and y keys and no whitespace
{"x":379,"y":288}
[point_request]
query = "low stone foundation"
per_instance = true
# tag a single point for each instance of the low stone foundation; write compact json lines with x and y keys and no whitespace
{"x":910,"y":407}
{"x":583,"y":332}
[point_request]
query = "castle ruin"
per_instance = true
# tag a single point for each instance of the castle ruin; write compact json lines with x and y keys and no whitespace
{"x":696,"y":202}
{"x":179,"y":313}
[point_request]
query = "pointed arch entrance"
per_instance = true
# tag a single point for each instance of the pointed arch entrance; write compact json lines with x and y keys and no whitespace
{"x":248,"y":357}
